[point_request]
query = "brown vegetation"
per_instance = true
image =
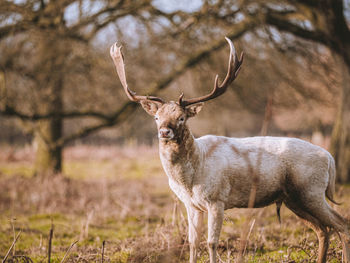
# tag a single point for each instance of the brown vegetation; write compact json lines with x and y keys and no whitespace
{"x":138,"y":218}
{"x":58,"y":86}
{"x":56,"y":77}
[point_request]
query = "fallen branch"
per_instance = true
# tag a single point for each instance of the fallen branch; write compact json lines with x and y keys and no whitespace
{"x":71,"y":246}
{"x":13,"y":244}
{"x":103,"y":250}
{"x":50,"y":244}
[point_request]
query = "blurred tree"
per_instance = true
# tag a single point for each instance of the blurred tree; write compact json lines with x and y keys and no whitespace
{"x":277,"y":33}
{"x":320,"y":21}
{"x":40,"y":42}
{"x":324,"y":22}
{"x":45,"y":46}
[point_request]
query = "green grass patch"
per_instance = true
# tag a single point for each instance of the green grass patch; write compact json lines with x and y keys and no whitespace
{"x":131,"y":169}
{"x":34,"y":238}
{"x":14,"y":168}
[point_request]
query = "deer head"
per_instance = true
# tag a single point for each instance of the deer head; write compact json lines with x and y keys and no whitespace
{"x":171,"y":116}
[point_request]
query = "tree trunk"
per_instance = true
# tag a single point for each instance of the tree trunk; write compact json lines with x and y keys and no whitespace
{"x":340,"y":141}
{"x":49,"y":132}
{"x":48,"y":153}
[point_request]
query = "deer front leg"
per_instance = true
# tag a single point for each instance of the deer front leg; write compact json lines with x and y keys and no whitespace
{"x":215,"y":218}
{"x":195,"y":224}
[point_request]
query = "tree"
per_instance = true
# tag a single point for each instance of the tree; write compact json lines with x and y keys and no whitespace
{"x":42,"y":47}
{"x":45,"y":64}
{"x":42,"y":43}
{"x":323,"y":22}
{"x":286,"y":25}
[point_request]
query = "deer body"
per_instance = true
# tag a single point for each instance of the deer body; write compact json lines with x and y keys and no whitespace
{"x":214,"y":173}
{"x":219,"y":169}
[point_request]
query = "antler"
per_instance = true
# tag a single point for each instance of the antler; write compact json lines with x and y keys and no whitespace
{"x":234,"y":65}
{"x":118,"y":60}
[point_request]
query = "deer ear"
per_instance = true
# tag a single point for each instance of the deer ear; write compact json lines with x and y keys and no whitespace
{"x":194,"y":109}
{"x":151,"y":107}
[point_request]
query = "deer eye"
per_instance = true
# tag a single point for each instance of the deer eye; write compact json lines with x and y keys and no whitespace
{"x":182,"y":118}
{"x":156,"y":118}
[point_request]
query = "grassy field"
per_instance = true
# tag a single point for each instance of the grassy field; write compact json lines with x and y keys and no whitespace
{"x":116,"y":204}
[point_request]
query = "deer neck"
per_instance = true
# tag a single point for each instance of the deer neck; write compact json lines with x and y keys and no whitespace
{"x":180,"y":158}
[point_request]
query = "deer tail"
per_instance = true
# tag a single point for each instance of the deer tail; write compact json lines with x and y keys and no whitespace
{"x":331,"y":181}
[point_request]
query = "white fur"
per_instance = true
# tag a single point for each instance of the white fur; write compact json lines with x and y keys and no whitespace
{"x":218,"y":175}
{"x":221,"y":175}
{"x":214,"y":173}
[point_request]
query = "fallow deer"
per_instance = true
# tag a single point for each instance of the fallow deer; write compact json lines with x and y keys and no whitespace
{"x":213,"y":173}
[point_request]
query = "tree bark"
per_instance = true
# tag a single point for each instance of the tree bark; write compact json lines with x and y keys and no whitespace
{"x":340,"y":141}
{"x":48,"y":155}
{"x":49,"y":131}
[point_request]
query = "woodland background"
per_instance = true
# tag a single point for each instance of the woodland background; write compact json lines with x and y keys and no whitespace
{"x":66,"y":124}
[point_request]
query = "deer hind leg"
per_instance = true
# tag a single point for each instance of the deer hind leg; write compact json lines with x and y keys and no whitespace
{"x":319,"y":209}
{"x":330,"y":218}
{"x":340,"y":225}
{"x":215,"y":219}
{"x":320,"y":230}
{"x":195,"y":225}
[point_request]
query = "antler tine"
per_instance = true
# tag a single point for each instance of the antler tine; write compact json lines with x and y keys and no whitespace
{"x":234,"y":66}
{"x":118,"y":60}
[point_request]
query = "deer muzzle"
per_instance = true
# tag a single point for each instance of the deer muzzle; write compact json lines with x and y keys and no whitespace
{"x":165,"y":133}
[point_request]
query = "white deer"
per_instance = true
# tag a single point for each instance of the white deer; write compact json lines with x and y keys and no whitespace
{"x":214,"y":173}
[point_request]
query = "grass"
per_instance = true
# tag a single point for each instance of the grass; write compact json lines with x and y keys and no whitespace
{"x":122,"y":197}
{"x":92,"y":162}
{"x":35,"y":230}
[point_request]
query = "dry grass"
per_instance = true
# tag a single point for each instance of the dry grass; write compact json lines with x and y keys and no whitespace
{"x":137,"y":216}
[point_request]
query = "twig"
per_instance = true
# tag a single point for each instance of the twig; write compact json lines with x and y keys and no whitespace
{"x":50,"y":244}
{"x":41,"y":241}
{"x":267,"y":115}
{"x":103,"y":250}
{"x":174,"y":213}
{"x":22,"y":258}
{"x":166,"y":239}
{"x":220,"y":260}
{"x":85,"y":228}
{"x":71,"y":246}
{"x":13,"y":244}
{"x":250,"y":231}
{"x":14,"y":235}
{"x":289,"y":250}
{"x":183,"y":246}
{"x":228,"y":252}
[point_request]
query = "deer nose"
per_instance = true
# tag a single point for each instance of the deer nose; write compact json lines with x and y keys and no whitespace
{"x":164,"y":132}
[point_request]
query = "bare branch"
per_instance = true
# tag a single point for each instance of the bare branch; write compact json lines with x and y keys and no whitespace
{"x":282,"y":23}
{"x":11,"y":247}
{"x":10,"y":111}
{"x":129,"y":107}
{"x":7,"y":7}
{"x":234,"y":67}
{"x":114,"y":12}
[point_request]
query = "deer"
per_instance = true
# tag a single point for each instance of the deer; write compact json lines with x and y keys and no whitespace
{"x":211,"y":174}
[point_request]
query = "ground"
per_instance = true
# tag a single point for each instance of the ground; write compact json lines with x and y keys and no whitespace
{"x":116,"y":203}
